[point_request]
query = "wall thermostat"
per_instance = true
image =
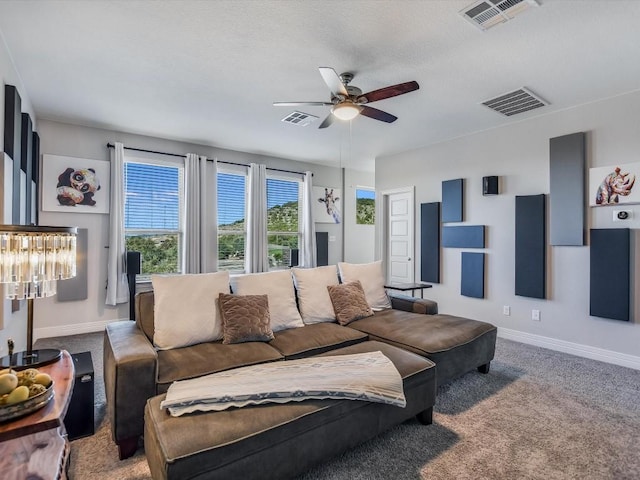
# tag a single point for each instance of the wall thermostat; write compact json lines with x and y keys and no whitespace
{"x":622,"y":215}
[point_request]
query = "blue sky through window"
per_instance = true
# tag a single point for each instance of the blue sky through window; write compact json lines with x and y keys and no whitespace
{"x":365,"y":194}
{"x":152,"y":196}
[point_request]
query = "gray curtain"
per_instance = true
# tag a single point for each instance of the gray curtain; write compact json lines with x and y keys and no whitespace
{"x":256,"y":248}
{"x":200,"y":244}
{"x":117,"y":282}
{"x":308,"y":230}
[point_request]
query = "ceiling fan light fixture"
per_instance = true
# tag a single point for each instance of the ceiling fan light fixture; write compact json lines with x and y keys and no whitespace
{"x":346,"y":111}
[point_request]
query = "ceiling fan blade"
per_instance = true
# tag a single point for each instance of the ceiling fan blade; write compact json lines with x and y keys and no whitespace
{"x":296,"y":104}
{"x":333,"y":81}
{"x":327,"y":121}
{"x":387,"y":92}
{"x":377,"y":114}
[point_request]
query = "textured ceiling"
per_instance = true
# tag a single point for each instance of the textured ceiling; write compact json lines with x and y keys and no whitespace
{"x":208,"y":72}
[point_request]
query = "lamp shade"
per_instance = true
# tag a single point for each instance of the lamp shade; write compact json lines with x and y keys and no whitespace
{"x":33,"y":258}
{"x":346,"y":110}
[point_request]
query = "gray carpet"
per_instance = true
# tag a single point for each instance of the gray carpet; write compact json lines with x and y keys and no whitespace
{"x":538,"y":414}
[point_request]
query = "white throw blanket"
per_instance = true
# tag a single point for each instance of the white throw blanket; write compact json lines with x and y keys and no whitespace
{"x":367,"y":376}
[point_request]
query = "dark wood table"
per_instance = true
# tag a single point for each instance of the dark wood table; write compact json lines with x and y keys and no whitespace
{"x":36,"y":445}
{"x":405,"y":287}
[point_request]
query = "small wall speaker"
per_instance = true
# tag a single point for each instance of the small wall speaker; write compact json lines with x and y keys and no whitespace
{"x":490,"y":185}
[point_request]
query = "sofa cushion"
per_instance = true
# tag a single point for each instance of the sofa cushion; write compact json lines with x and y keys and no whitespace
{"x":278,"y":286}
{"x":349,"y":302}
{"x":205,"y":358}
{"x":314,"y":339}
{"x":245,"y":318}
{"x":186,"y":308}
{"x":313,"y":297}
{"x":372,"y":280}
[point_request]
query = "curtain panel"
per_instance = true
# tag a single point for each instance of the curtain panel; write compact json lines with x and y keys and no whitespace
{"x":200,"y":243}
{"x":117,"y":282}
{"x":256,"y":259}
{"x":308,"y":247}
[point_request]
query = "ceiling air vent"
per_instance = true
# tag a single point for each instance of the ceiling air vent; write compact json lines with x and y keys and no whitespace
{"x":518,"y":101}
{"x":485,"y":14}
{"x":299,"y":118}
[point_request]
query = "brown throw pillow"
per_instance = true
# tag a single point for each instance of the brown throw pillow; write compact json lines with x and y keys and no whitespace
{"x":349,"y":302}
{"x":245,"y":318}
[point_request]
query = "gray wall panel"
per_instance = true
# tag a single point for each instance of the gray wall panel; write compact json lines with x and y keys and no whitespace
{"x":76,"y":288}
{"x":567,"y":167}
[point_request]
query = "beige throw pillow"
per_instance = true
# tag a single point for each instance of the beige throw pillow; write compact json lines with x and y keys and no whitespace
{"x":349,"y":302}
{"x":185,"y":308}
{"x":372,"y":280}
{"x":278,"y":286}
{"x":313,"y":296}
{"x":245,"y":318}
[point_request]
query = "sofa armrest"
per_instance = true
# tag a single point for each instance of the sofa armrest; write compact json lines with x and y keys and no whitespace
{"x":413,"y":304}
{"x":130,"y":364}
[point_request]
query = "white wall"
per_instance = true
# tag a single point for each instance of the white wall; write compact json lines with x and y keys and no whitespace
{"x":12,"y":325}
{"x":519,"y":154}
{"x":53,"y":318}
{"x":359,"y":244}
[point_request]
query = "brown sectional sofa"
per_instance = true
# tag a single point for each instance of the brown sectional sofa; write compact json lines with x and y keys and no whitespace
{"x":135,"y":371}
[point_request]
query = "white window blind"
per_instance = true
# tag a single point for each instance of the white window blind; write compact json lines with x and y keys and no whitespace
{"x":154,"y":207}
{"x":231,"y":220}
{"x":283,"y":219}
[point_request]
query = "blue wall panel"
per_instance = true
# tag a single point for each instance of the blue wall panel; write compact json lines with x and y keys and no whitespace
{"x":430,"y":242}
{"x":531,"y":258}
{"x":452,"y":200}
{"x":466,"y":236}
{"x":472,"y":277}
{"x":610,"y":260}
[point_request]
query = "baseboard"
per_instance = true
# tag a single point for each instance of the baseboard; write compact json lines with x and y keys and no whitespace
{"x":577,"y":349}
{"x":75,"y":329}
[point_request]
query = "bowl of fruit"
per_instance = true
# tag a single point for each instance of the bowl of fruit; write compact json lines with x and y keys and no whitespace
{"x":23,"y":392}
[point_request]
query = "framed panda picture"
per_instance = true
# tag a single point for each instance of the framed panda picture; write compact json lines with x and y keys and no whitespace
{"x":75,"y":185}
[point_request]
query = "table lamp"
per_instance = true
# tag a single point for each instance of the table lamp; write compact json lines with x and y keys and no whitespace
{"x":32,"y":260}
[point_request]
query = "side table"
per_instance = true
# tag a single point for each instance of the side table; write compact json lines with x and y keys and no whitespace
{"x":36,"y":445}
{"x":405,"y":287}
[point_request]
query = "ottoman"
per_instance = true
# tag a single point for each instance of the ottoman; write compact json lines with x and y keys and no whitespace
{"x":276,"y":441}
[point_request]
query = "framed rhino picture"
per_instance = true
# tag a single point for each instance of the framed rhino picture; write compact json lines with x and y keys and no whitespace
{"x":75,"y":185}
{"x":327,"y":205}
{"x":614,"y":185}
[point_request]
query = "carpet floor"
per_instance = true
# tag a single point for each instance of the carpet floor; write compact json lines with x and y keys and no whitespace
{"x":539,"y":414}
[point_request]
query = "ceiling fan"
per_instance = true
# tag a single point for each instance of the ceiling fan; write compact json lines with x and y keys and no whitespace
{"x":348,"y":101}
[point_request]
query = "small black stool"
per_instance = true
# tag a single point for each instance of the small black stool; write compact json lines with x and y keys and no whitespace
{"x":79,"y":418}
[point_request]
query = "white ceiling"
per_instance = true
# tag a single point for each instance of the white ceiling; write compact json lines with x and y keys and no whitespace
{"x":208,"y":71}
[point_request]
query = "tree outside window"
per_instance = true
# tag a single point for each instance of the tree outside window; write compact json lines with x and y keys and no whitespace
{"x":365,"y":206}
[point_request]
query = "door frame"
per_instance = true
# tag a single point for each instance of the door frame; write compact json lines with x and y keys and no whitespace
{"x":384,"y":230}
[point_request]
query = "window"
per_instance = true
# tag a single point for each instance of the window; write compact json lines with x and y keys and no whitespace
{"x":283,"y":219}
{"x":153,"y":218}
{"x":365,"y":206}
{"x":231,"y":214}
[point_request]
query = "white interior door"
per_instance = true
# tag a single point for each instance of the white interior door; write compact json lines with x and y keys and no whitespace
{"x":399,"y":229}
